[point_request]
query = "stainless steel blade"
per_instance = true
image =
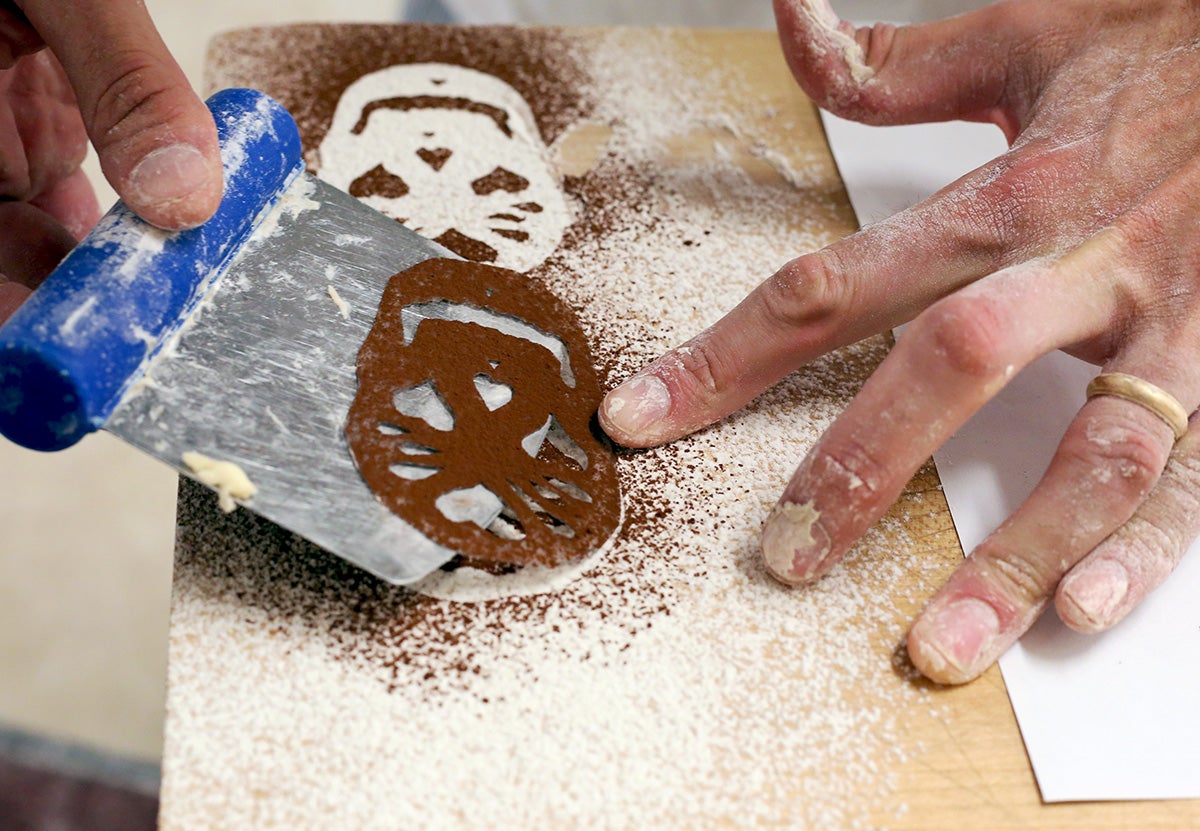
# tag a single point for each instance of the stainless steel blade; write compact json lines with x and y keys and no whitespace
{"x":263,"y":374}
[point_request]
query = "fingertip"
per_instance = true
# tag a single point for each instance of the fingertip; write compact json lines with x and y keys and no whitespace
{"x":796,"y":548}
{"x":954,"y":641}
{"x":931,"y":662}
{"x":634,"y":413}
{"x":823,"y":52}
{"x":1090,"y":598}
{"x":176,"y":186}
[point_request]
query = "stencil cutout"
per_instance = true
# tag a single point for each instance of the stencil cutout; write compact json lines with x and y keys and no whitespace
{"x":414,"y":473}
{"x":423,"y":401}
{"x":494,"y":394}
{"x":472,"y":419}
{"x":453,"y":153}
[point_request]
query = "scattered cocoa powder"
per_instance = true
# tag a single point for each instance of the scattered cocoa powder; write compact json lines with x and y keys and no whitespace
{"x":673,"y":684}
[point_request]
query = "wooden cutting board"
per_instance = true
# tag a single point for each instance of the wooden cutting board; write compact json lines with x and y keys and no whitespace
{"x":672,"y":684}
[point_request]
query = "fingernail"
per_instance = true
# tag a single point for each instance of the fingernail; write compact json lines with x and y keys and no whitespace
{"x":1096,"y":590}
{"x":960,"y":637}
{"x":794,"y":544}
{"x":169,"y":174}
{"x":637,"y":405}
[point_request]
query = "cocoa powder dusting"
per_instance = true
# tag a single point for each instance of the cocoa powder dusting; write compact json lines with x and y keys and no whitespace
{"x":467,"y":247}
{"x":307,"y":66}
{"x":672,"y":683}
{"x":560,"y":498}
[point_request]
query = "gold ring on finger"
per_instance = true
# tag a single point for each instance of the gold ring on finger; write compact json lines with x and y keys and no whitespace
{"x":1153,"y":398}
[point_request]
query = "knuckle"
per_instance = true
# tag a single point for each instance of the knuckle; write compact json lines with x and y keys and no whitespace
{"x":1020,"y":577}
{"x":968,"y":333}
{"x":862,"y":475}
{"x":1158,"y":259}
{"x":136,"y":97}
{"x":988,"y":220}
{"x":1184,"y":470}
{"x":1175,"y":528}
{"x":1120,"y":456}
{"x":1154,"y":551}
{"x":810,"y":289}
{"x":1141,"y":227}
{"x":1006,"y":208}
{"x":701,"y":366}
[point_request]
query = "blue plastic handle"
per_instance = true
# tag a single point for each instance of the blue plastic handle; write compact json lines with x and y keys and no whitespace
{"x":77,"y":344}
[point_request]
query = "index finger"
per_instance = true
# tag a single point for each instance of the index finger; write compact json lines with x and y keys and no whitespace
{"x":156,"y":141}
{"x":866,"y":283}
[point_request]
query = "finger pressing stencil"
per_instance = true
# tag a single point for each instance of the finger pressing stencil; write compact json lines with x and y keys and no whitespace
{"x":869,"y":282}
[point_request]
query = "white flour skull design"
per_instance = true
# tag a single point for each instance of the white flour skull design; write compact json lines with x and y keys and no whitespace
{"x":454,"y":154}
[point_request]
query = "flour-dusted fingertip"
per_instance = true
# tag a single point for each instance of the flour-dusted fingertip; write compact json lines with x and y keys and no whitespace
{"x":175,"y":187}
{"x":1090,"y":598}
{"x":632,"y":414}
{"x":955,"y":642}
{"x":795,"y":546}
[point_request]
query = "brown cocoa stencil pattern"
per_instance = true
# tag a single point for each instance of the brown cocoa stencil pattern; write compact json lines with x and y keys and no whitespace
{"x":478,"y":436}
{"x":372,"y":625}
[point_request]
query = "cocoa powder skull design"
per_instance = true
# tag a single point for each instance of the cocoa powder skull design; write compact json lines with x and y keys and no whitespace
{"x":454,"y":154}
{"x":472,"y":419}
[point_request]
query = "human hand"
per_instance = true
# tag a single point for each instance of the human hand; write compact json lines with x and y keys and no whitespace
{"x":1081,"y":237}
{"x":106,"y":75}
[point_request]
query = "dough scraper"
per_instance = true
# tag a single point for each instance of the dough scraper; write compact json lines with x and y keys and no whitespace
{"x":236,"y":340}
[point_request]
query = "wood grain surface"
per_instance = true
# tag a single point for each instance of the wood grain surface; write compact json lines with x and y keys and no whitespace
{"x":963,"y":764}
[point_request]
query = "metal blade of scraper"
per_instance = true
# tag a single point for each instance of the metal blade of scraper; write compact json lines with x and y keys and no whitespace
{"x":263,"y":375}
{"x":236,"y":340}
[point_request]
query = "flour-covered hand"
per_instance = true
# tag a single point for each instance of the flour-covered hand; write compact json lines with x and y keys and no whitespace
{"x":71,"y":70}
{"x":1081,"y":237}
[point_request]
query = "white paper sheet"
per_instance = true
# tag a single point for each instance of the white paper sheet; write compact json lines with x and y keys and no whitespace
{"x":1106,"y":717}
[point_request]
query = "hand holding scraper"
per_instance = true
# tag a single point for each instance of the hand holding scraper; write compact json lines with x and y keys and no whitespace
{"x":228,"y":344}
{"x":230,"y":352}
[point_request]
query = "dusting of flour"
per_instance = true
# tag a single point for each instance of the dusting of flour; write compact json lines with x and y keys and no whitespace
{"x":674,"y":684}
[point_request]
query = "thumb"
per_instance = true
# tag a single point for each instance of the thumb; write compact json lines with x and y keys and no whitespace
{"x":156,"y":141}
{"x":954,"y":69}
